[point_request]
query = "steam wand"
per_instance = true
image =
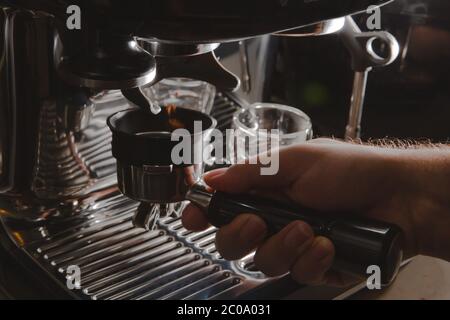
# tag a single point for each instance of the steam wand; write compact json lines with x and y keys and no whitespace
{"x":364,"y":58}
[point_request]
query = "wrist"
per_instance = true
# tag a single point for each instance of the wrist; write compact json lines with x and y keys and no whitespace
{"x":424,"y":187}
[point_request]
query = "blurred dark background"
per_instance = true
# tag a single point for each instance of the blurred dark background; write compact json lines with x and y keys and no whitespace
{"x":409,"y":99}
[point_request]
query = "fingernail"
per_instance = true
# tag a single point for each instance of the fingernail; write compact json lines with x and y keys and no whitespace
{"x":297,"y":236}
{"x":253,"y":230}
{"x":321,"y":249}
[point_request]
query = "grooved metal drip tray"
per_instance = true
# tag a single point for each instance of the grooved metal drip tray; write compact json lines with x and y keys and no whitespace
{"x":118,"y":261}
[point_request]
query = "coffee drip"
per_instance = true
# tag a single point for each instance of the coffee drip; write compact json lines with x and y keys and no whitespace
{"x":137,"y":97}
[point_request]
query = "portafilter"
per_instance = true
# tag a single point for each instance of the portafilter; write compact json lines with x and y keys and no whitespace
{"x":147,"y":169}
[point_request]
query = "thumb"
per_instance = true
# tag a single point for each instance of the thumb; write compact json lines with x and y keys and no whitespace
{"x":242,"y":178}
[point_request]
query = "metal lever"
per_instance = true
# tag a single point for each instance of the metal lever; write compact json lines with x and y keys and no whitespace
{"x":364,"y":58}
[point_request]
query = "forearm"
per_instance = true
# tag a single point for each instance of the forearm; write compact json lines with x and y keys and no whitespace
{"x":426,"y":184}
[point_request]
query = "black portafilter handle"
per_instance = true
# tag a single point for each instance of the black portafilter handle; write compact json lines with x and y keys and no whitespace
{"x":359,"y":243}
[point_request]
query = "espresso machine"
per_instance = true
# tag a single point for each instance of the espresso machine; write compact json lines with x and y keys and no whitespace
{"x":60,"y":205}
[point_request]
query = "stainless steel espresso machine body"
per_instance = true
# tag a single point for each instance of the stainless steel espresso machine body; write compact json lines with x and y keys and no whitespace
{"x":60,"y":207}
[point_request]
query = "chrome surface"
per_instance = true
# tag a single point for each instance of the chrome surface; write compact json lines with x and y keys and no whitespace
{"x":7,"y":100}
{"x":147,"y":215}
{"x":168,"y":49}
{"x":157,"y":184}
{"x":364,"y":58}
{"x":353,"y":129}
{"x":205,"y":67}
{"x":200,"y":196}
{"x":118,"y":261}
{"x":223,"y":111}
{"x":55,"y":142}
{"x":260,"y":55}
{"x":318,"y":29}
{"x":158,"y":187}
{"x":111,"y":64}
{"x":66,"y":72}
{"x":361,"y":46}
{"x":70,"y":161}
{"x":245,"y":68}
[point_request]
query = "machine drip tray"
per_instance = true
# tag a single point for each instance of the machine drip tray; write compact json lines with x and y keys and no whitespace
{"x":118,"y":261}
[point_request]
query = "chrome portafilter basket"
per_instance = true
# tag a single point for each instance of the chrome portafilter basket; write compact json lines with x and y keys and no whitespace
{"x":149,"y":168}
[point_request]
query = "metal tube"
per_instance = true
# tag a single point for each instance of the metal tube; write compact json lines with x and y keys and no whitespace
{"x":353,"y":130}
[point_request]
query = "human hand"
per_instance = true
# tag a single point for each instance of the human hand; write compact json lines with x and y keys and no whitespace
{"x":328,"y":176}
